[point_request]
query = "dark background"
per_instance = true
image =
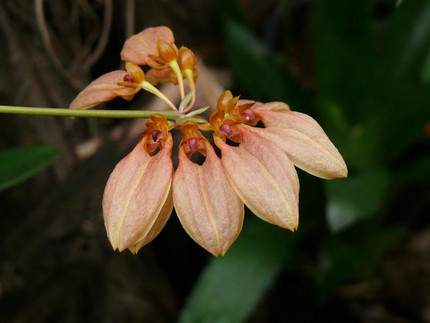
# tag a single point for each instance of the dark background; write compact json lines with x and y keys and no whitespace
{"x":362,"y":252}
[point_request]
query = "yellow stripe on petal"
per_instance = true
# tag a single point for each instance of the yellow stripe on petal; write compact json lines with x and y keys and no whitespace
{"x":158,"y":225}
{"x":206,"y":204}
{"x":263,"y":177}
{"x":304,"y":141}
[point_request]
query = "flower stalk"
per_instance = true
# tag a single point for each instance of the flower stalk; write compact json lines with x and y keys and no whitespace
{"x":175,"y":67}
{"x":152,"y":89}
{"x":37,"y":111}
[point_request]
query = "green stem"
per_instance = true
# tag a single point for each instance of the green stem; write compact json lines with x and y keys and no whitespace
{"x":152,"y":89}
{"x":190,"y":78}
{"x":86,"y":113}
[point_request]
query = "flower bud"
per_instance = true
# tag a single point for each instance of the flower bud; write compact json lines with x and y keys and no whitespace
{"x":135,"y":72}
{"x":186,"y":59}
{"x":223,"y":100}
{"x":167,"y":51}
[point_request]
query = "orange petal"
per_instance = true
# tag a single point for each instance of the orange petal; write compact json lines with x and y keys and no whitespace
{"x":134,"y":201}
{"x":304,"y":141}
{"x":138,"y":47}
{"x":102,"y":89}
{"x":206,"y":204}
{"x":263,"y":177}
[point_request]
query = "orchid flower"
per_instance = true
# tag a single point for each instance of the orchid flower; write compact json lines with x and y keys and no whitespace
{"x":256,"y":167}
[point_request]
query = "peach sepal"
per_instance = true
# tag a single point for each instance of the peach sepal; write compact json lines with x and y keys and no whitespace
{"x":158,"y":225}
{"x":263,"y":177}
{"x":137,"y":200}
{"x":271,"y":106}
{"x":139,"y":47}
{"x":101,"y":90}
{"x":304,"y":141}
{"x":206,"y":204}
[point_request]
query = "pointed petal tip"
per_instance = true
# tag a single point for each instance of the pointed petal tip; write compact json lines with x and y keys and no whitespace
{"x":134,"y":250}
{"x":339,"y":169}
{"x":343,"y":173}
{"x":222,"y":254}
{"x":113,"y":244}
{"x":215,"y":254}
{"x":293,"y":226}
{"x":121,"y":248}
{"x":339,"y":172}
{"x":219,"y":252}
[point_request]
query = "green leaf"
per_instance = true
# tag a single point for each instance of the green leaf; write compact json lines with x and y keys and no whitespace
{"x":18,"y":164}
{"x":341,"y":258}
{"x":407,"y":42}
{"x":416,"y":170}
{"x":230,"y":287}
{"x":186,"y":100}
{"x":409,"y":114}
{"x":197,"y":111}
{"x":337,"y":260}
{"x":345,"y":60}
{"x":354,"y":198}
{"x":425,"y":73}
{"x":371,"y":75}
{"x":257,"y":68}
{"x":230,"y":9}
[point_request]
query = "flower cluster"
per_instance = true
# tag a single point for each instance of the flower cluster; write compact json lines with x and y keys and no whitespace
{"x":256,"y":167}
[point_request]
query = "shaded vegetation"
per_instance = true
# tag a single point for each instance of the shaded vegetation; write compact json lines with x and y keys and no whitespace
{"x":361,"y":68}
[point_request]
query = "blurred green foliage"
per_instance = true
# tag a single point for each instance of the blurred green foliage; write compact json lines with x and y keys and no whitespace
{"x":371,"y":95}
{"x":265,"y":78}
{"x":355,"y":198}
{"x":18,"y":164}
{"x":238,"y":279}
{"x":362,"y":74}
